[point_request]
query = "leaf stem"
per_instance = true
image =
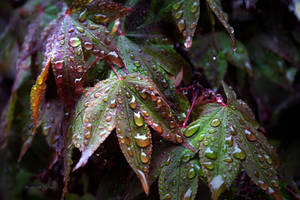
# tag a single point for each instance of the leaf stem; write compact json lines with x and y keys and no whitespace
{"x":91,"y":65}
{"x":118,"y":77}
{"x":195,"y":94}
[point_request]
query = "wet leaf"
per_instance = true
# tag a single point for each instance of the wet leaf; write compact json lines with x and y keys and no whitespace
{"x":228,"y":140}
{"x":129,"y":105}
{"x":216,"y":7}
{"x":186,"y":14}
{"x":66,"y":47}
{"x":100,"y":11}
{"x":148,"y":61}
{"x":179,"y":175}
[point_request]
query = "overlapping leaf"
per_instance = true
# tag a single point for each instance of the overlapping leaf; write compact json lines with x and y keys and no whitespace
{"x":216,"y":7}
{"x":129,"y":105}
{"x":100,"y":11}
{"x":227,"y":139}
{"x":186,"y":13}
{"x":179,"y":175}
{"x":152,"y":61}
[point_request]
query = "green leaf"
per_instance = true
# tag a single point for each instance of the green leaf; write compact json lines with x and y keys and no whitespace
{"x":129,"y":104}
{"x":179,"y":175}
{"x":227,"y":139}
{"x":152,"y":61}
{"x":100,"y":11}
{"x":186,"y":14}
{"x":216,"y":7}
{"x":212,"y":53}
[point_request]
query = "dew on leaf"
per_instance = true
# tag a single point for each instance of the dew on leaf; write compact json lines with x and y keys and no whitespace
{"x":191,"y":172}
{"x":215,"y":122}
{"x":210,"y":154}
{"x":142,"y":140}
{"x":132,"y":103}
{"x":138,"y":119}
{"x":59,"y":64}
{"x":239,"y":153}
{"x":74,"y":42}
{"x":88,"y":46}
{"x":250,"y":136}
{"x":157,"y":127}
{"x":187,"y":195}
{"x":144,"y":157}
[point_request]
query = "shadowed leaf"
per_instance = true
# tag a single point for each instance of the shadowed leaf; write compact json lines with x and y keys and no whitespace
{"x":216,"y":7}
{"x":179,"y":175}
{"x":186,"y":14}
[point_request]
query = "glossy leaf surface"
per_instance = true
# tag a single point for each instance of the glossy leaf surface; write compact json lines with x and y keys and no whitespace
{"x":227,"y":139}
{"x":186,"y":14}
{"x":129,"y":105}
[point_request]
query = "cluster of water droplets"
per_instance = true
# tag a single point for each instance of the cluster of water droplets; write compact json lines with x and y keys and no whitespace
{"x":185,"y":25}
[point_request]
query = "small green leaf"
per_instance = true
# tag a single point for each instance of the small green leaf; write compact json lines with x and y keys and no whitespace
{"x":227,"y":139}
{"x":186,"y":14}
{"x":179,"y":175}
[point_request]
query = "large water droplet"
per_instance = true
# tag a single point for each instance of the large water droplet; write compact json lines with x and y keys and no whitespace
{"x":195,"y":7}
{"x":88,"y":46}
{"x":262,"y":185}
{"x":142,"y":140}
{"x":210,"y":154}
{"x":178,"y":14}
{"x":191,"y":173}
{"x":59,"y":64}
{"x":208,"y":165}
{"x":144,"y":157}
{"x":132,"y":103}
{"x":187,"y":195}
{"x":239,"y":153}
{"x":215,"y":122}
{"x":250,"y":136}
{"x":191,"y":130}
{"x":74,"y":42}
{"x":138,"y":119}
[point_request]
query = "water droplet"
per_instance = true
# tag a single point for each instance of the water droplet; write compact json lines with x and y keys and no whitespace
{"x":232,"y":130}
{"x":210,"y":154}
{"x":187,"y":156}
{"x":181,"y":25}
{"x":82,"y":16}
{"x":191,"y":130}
{"x":239,"y":153}
{"x":215,"y":122}
{"x":113,"y":104}
{"x":268,"y":159}
{"x":178,"y":138}
{"x":178,"y":14}
{"x":188,"y":41}
{"x":216,"y":183}
{"x":260,"y":158}
{"x":187,"y":195}
{"x":191,"y":173}
{"x":167,"y":196}
{"x":208,"y":165}
{"x":74,"y":42}
{"x":250,"y":136}
{"x":142,"y":140}
{"x":59,"y":64}
{"x":80,"y":29}
{"x":88,"y":46}
{"x":177,"y":5}
{"x":130,"y":153}
{"x":157,"y":127}
{"x":138,"y":119}
{"x":144,"y":157}
{"x":143,"y":94}
{"x":262,"y":185}
{"x":132,"y":103}
{"x":229,"y":141}
{"x":108,"y":118}
{"x":195,"y":7}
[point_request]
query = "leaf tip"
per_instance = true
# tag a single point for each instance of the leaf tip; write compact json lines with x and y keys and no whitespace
{"x":144,"y":180}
